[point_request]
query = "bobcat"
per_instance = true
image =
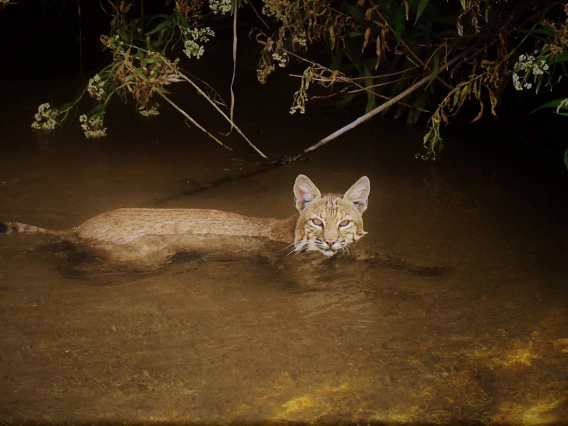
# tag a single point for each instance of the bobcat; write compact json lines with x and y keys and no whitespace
{"x":327,"y":223}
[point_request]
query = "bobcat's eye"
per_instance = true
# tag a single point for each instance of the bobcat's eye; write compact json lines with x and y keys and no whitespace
{"x":317,"y":222}
{"x":344,"y":223}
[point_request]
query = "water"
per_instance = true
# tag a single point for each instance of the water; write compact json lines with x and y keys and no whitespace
{"x":269,"y":337}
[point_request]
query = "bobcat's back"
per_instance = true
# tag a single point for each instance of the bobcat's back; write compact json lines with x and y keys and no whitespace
{"x":126,"y":225}
{"x":326,"y":223}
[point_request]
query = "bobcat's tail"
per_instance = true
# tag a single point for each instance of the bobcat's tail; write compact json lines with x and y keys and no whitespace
{"x":16,"y":227}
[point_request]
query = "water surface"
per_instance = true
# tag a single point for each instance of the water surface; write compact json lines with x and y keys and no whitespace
{"x":270,"y":337}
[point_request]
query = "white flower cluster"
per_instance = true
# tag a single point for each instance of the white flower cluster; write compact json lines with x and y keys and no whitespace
{"x":300,"y":38}
{"x":263,"y":72}
{"x":192,"y":36}
{"x":95,"y":88}
{"x":191,"y":48}
{"x":280,"y":9}
{"x":269,"y":8}
{"x":519,"y":84}
{"x":93,"y":127}
{"x":301,"y":96}
{"x":45,"y":118}
{"x":220,"y":6}
{"x":282,"y":59}
{"x":300,"y":104}
{"x":149,"y":112}
{"x":529,"y":65}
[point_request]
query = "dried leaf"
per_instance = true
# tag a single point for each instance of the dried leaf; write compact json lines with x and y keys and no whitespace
{"x":444,"y":116}
{"x":378,"y":51}
{"x":367,"y":36}
{"x":384,"y":33}
{"x":436,"y":119}
{"x":332,"y":37}
{"x":333,"y":76}
{"x":464,"y":95}
{"x":480,"y":114}
{"x":493,"y":100}
{"x":456,"y":95}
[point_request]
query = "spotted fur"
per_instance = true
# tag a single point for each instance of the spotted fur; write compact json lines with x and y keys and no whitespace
{"x":326,"y":223}
{"x":329,"y":223}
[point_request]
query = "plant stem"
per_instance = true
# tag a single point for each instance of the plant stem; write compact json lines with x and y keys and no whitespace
{"x":378,"y":109}
{"x":182,"y":112}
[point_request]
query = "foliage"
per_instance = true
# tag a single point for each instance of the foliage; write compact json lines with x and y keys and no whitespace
{"x":438,"y":53}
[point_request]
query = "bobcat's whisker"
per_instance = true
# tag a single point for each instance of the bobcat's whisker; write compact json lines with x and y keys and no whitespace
{"x":291,"y":245}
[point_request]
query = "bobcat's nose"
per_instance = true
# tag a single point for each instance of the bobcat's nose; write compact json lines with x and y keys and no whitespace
{"x":330,"y":242}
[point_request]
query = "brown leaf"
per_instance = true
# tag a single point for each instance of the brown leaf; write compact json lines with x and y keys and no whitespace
{"x":334,"y":75}
{"x":480,"y":114}
{"x":384,"y":33}
{"x":378,"y":51}
{"x":493,"y":100}
{"x":367,"y":36}
{"x":332,"y":38}
{"x":444,"y":116}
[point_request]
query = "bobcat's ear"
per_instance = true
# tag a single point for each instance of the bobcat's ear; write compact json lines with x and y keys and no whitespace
{"x":358,"y":194}
{"x":305,"y":192}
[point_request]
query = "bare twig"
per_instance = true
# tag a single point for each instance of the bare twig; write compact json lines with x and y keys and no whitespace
{"x":348,"y":80}
{"x":359,"y":90}
{"x":257,"y":14}
{"x":232,"y":110}
{"x":363,"y":118}
{"x":409,"y":50}
{"x":375,"y":111}
{"x":222,"y":114}
{"x":195,"y":123}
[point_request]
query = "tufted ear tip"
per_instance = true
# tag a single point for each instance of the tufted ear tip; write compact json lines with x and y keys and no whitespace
{"x":358,"y":194}
{"x":304,"y":192}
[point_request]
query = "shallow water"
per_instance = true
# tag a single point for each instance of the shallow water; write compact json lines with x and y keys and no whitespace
{"x":268,"y":337}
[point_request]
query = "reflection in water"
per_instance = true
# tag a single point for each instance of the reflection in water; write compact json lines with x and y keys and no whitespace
{"x":381,"y":335}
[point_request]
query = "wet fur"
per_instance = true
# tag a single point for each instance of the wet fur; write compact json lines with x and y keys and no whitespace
{"x":148,"y":237}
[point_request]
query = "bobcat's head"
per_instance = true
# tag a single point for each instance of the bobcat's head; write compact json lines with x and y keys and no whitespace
{"x":330,"y":222}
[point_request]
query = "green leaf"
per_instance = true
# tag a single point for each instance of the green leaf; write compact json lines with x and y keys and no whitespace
{"x":165,"y":23}
{"x":337,"y":60}
{"x":563,"y":57}
{"x":421,"y":6}
{"x":399,"y":23}
{"x":435,"y":69}
{"x":357,"y":13}
{"x":463,"y":4}
{"x":124,"y":36}
{"x":400,"y":109}
{"x":545,"y":30}
{"x":98,"y":109}
{"x":371,"y":98}
{"x":550,"y":104}
{"x":65,"y":106}
{"x":414,"y":112}
{"x":345,"y":100}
